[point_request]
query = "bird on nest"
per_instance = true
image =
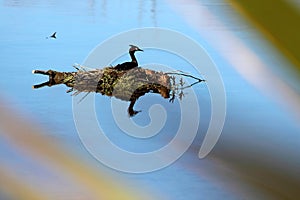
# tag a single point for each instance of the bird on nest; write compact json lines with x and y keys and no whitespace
{"x":133,"y":63}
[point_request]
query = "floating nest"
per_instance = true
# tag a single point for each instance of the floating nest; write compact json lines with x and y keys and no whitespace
{"x":126,"y":85}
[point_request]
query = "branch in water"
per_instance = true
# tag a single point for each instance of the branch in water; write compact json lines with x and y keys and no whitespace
{"x":187,"y":75}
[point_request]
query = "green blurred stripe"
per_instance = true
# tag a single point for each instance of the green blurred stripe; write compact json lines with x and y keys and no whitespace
{"x":278,"y":20}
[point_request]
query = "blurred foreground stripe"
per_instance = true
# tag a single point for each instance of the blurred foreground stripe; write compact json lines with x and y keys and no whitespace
{"x":16,"y":188}
{"x":29,"y":139}
{"x":278,"y":20}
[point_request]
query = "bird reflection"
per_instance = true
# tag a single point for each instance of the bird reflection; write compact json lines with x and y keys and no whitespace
{"x":124,"y":81}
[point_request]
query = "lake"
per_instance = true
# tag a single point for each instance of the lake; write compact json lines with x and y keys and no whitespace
{"x":256,"y":155}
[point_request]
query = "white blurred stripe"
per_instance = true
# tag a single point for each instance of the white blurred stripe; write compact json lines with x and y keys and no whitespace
{"x":241,"y":57}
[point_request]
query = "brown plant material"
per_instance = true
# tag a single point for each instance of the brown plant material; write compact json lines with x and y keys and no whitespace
{"x":126,"y":85}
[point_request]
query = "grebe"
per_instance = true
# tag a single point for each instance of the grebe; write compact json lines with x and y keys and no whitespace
{"x":133,"y":63}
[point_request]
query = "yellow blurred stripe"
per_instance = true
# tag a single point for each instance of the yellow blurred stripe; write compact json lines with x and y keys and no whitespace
{"x":29,"y":139}
{"x":16,"y":188}
{"x":278,"y":20}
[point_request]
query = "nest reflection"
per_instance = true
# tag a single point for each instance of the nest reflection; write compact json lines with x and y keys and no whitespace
{"x":128,"y":85}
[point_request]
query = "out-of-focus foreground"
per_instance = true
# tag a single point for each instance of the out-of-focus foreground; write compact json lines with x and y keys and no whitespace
{"x":256,"y":48}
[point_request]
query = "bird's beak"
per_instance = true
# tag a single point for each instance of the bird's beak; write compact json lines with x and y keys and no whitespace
{"x":140,"y":50}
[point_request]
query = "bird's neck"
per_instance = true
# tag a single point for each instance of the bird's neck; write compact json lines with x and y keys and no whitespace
{"x":133,"y":59}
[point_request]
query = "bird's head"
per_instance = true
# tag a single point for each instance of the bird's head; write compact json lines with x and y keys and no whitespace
{"x":134,"y":48}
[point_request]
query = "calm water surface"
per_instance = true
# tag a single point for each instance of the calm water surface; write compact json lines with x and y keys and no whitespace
{"x":256,"y":129}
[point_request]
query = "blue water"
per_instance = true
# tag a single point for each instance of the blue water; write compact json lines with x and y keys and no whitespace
{"x":257,"y":135}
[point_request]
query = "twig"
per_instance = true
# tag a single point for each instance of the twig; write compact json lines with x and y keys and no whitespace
{"x":83,"y":97}
{"x":183,"y":74}
{"x":189,"y":85}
